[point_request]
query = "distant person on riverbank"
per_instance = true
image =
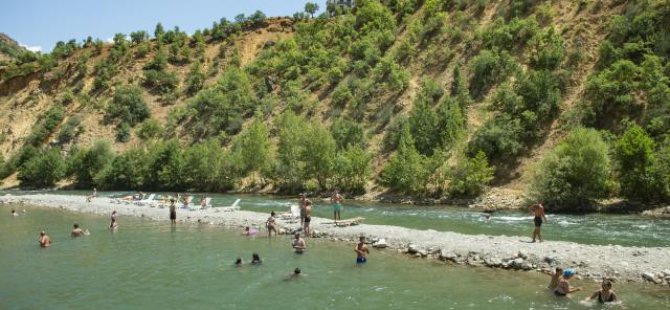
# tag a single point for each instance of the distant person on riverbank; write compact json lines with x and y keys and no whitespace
{"x":112,"y":223}
{"x":78,"y":232}
{"x":255,"y":259}
{"x":302,"y":202}
{"x":270,"y":224}
{"x":249,"y":231}
{"x":555,"y":277}
{"x":538,"y":211}
{"x":336,"y":199}
{"x":563,"y":288}
{"x":14,"y":213}
{"x":95,"y":194}
{"x":44,"y":239}
{"x":308,"y":218}
{"x":299,"y":244}
{"x":362,"y":251}
{"x":604,"y":294}
{"x":173,"y":211}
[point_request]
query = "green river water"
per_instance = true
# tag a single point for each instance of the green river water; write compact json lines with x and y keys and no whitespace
{"x":152,"y":265}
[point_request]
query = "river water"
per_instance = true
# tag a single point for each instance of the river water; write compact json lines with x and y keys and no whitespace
{"x":152,"y":265}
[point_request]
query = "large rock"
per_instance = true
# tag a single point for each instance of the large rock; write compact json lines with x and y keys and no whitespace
{"x":448,"y":255}
{"x":412,"y":248}
{"x":381,"y":244}
{"x":649,"y":276}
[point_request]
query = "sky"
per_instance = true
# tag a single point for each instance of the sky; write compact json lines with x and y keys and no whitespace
{"x":39,"y":24}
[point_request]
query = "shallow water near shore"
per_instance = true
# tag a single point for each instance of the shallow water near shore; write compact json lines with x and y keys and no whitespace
{"x":150,"y":265}
{"x":600,"y":229}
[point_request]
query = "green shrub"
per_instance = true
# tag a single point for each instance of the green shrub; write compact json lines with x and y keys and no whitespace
{"x":127,"y":106}
{"x":574,"y":173}
{"x":123,"y":132}
{"x":348,"y":133}
{"x":43,"y":170}
{"x":489,"y":68}
{"x":161,"y":81}
{"x":150,"y":129}
{"x":548,"y":50}
{"x":85,"y":164}
{"x":253,"y":148}
{"x":639,"y":172}
{"x":499,"y":139}
{"x":406,"y":171}
{"x":71,"y":129}
{"x":352,"y":170}
{"x":470,"y":177}
{"x":195,"y":79}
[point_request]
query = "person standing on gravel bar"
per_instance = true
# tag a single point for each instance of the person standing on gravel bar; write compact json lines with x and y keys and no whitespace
{"x":336,"y":199}
{"x":95,"y":194}
{"x":538,"y":211}
{"x":173,"y":211}
{"x":302,"y":202}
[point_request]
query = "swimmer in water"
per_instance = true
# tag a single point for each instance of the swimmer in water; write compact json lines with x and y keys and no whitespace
{"x":78,"y":232}
{"x":44,"y":239}
{"x":604,"y":294}
{"x":362,"y":251}
{"x":564,"y":288}
{"x":298,"y":244}
{"x":14,"y":213}
{"x":238,"y":262}
{"x":255,"y":259}
{"x":555,"y":277}
{"x":249,"y":231}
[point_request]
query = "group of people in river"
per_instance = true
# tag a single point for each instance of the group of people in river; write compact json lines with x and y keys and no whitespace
{"x":45,"y":241}
{"x":560,"y":286}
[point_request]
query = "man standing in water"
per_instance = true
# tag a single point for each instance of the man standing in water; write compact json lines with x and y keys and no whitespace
{"x":362,"y":251}
{"x":308,"y":219}
{"x":44,"y":239}
{"x":302,"y":202}
{"x":299,"y":244}
{"x":538,"y":211}
{"x":336,"y":199}
{"x":173,"y":211}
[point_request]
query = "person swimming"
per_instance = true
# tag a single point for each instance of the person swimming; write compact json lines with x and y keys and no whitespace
{"x":77,"y":231}
{"x":298,"y":244}
{"x":555,"y":277}
{"x":362,"y":251}
{"x":255,"y":259}
{"x":248,"y":231}
{"x":604,"y":294}
{"x":14,"y":213}
{"x":238,"y":262}
{"x":44,"y":239}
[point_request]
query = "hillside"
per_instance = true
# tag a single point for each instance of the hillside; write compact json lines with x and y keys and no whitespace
{"x":565,"y":101}
{"x":10,"y":50}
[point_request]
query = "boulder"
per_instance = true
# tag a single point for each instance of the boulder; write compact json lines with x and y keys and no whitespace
{"x":447,"y":255}
{"x":412,"y":248}
{"x":522,"y":255}
{"x":526,"y":266}
{"x":516,"y":263}
{"x":649,"y":276}
{"x":381,"y":244}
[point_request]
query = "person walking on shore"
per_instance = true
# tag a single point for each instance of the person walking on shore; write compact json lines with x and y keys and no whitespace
{"x":336,"y":199}
{"x":173,"y":211}
{"x":538,"y":211}
{"x":44,"y":239}
{"x":362,"y":251}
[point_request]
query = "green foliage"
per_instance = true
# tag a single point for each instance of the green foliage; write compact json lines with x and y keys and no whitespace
{"x":138,"y":37}
{"x":290,"y":169}
{"x":508,"y":36}
{"x":123,"y":132}
{"x":85,"y":164}
{"x":499,"y":139}
{"x":374,"y":16}
{"x":640,"y":174}
{"x":195,"y":79}
{"x":318,"y":154}
{"x":574,"y":173}
{"x":127,"y":106}
{"x":71,"y":129}
{"x":470,"y":176}
{"x":488,"y":68}
{"x":348,"y":133}
{"x":352,"y":169}
{"x":161,"y":81}
{"x":311,"y":8}
{"x":150,"y":129}
{"x":253,"y":149}
{"x":42,"y":170}
{"x":611,"y":90}
{"x":548,"y":50}
{"x":406,"y":171}
{"x":46,"y":126}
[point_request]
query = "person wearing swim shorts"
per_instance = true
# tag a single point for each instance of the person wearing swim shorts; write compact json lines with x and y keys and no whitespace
{"x":270,"y":224}
{"x":362,"y":251}
{"x":173,"y":211}
{"x":336,"y":199}
{"x":308,"y":218}
{"x":538,"y":211}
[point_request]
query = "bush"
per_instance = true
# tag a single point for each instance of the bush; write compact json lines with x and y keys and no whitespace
{"x":43,"y":170}
{"x":406,"y":171}
{"x":150,"y":129}
{"x":85,"y":164}
{"x":127,"y":106}
{"x":470,"y":176}
{"x":161,"y":81}
{"x":253,"y":148}
{"x":499,"y":139}
{"x":489,"y":68}
{"x":639,"y":172}
{"x":574,"y":173}
{"x":348,"y":133}
{"x":70,"y":130}
{"x":352,"y":170}
{"x":41,"y":131}
{"x":195,"y":79}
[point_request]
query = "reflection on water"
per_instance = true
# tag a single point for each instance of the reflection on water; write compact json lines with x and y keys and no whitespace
{"x":154,"y":265}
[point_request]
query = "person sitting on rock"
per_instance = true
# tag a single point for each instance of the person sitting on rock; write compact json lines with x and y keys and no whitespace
{"x":564,"y":288}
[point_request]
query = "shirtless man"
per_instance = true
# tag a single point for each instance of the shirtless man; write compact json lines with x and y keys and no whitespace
{"x":76,"y":231}
{"x":308,"y":218}
{"x":301,"y":204}
{"x":173,"y":212}
{"x":113,"y":224}
{"x":362,"y":251}
{"x":336,"y":200}
{"x":299,"y":244}
{"x":270,"y":224}
{"x":44,"y":239}
{"x":538,"y":211}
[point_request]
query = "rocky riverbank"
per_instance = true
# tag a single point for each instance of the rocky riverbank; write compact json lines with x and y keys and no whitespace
{"x":639,"y":264}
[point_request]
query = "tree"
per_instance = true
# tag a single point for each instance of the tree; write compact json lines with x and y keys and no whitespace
{"x":138,"y":37}
{"x":159,"y":32}
{"x":406,"y":171}
{"x":638,"y":168}
{"x":290,"y":169}
{"x":318,"y":154}
{"x":43,"y":170}
{"x":311,"y":8}
{"x":470,"y":176}
{"x":127,"y":106}
{"x":254,"y":148}
{"x":574,"y":173}
{"x":87,"y":163}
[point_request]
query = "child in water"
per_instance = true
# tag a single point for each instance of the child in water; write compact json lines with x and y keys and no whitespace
{"x":255,"y":259}
{"x":249,"y":231}
{"x":555,"y":278}
{"x":564,"y":288}
{"x":605,"y":294}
